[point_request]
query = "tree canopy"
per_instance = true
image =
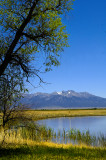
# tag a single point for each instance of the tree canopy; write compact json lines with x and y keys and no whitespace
{"x":29,"y":26}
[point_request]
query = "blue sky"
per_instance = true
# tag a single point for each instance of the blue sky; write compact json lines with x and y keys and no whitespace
{"x":83,"y":64}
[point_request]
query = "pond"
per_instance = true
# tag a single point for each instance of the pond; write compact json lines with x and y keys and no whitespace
{"x":78,"y":128}
{"x":95,"y":124}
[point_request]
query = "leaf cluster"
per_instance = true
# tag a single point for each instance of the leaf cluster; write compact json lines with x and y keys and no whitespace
{"x":30,"y":27}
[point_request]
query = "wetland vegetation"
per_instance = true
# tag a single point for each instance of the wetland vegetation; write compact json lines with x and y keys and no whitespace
{"x":44,"y":114}
{"x":43,"y":143}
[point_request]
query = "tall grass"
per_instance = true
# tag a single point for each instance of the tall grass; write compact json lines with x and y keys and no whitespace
{"x":44,"y":134}
{"x":19,"y":148}
{"x":42,"y":143}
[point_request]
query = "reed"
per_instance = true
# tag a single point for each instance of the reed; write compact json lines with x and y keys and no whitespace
{"x":43,"y":143}
{"x":44,"y":134}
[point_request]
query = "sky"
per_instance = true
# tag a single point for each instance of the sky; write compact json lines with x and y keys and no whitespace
{"x":83,"y":64}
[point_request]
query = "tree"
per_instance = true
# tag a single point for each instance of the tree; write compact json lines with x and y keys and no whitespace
{"x":11,"y":91}
{"x":29,"y":26}
{"x":12,"y":112}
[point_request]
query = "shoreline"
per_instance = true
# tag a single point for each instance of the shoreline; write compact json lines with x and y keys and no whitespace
{"x":45,"y":114}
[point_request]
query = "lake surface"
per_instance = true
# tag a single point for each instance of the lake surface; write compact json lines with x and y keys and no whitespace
{"x":95,"y":124}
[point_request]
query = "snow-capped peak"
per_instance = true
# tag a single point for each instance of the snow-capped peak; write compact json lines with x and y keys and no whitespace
{"x":59,"y":92}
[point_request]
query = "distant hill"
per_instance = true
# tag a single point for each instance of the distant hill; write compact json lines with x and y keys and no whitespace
{"x":65,"y":99}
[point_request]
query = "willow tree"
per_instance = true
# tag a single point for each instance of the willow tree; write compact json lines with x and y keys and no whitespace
{"x":28,"y":27}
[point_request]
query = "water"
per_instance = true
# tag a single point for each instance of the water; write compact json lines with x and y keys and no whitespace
{"x":95,"y":124}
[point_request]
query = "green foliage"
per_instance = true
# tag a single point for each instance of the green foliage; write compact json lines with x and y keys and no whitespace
{"x":27,"y":28}
{"x":42,"y":31}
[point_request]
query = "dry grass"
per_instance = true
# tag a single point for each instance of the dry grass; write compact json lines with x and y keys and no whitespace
{"x":43,"y":114}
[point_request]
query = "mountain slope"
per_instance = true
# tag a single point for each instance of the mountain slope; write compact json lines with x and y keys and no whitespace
{"x":64,"y":99}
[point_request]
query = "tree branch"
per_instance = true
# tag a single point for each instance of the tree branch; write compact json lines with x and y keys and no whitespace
{"x":8,"y":56}
{"x":42,"y":35}
{"x":18,"y":60}
{"x":50,"y":9}
{"x":20,"y":47}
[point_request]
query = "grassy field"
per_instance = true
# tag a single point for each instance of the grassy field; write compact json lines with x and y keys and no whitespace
{"x":18,"y":148}
{"x":51,"y":151}
{"x":43,"y":114}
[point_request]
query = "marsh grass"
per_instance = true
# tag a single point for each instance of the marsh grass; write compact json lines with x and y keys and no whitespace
{"x":44,"y":134}
{"x":44,"y":114}
{"x":29,"y":144}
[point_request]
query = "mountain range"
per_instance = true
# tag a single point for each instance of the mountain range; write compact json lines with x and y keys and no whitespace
{"x":63,"y":100}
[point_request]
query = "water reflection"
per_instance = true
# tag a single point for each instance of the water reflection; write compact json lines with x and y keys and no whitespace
{"x":95,"y":124}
